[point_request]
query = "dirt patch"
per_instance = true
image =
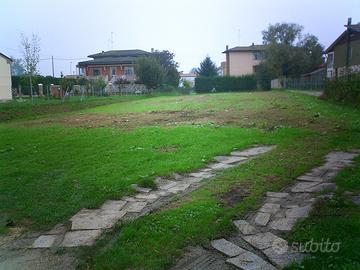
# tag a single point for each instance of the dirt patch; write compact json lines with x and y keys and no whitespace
{"x":235,"y":195}
{"x":268,"y":119}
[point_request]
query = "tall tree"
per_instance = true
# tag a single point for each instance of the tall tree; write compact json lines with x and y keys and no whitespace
{"x":289,"y":52}
{"x":207,"y":68}
{"x":31,"y":53}
{"x":167,"y":61}
{"x":149,"y":71}
{"x":17,"y":67}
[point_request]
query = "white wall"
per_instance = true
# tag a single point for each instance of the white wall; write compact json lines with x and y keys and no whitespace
{"x":5,"y":79}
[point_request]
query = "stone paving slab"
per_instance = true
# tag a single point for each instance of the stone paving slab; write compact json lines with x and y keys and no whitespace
{"x":253,"y":151}
{"x":167,"y":185}
{"x":80,"y":238}
{"x":271,"y":208}
{"x":282,"y":224}
{"x":226,"y":247}
{"x":95,"y":219}
{"x":261,"y":219}
{"x":147,"y":196}
{"x":134,"y":207}
{"x":310,"y":178}
{"x":298,"y":212}
{"x":250,"y":261}
{"x":263,"y":240}
{"x":179,"y":187}
{"x":281,"y":257}
{"x":229,"y":159}
{"x":202,"y":175}
{"x":277,"y":194}
{"x":45,"y":241}
{"x":113,"y":205}
{"x":244,"y":227}
{"x":301,"y":187}
{"x":197,"y":258}
{"x":220,"y":166}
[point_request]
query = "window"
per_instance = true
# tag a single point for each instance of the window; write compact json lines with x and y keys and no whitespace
{"x":259,"y":55}
{"x":113,"y":71}
{"x":96,"y":72}
{"x":330,"y":60}
{"x":129,"y":71}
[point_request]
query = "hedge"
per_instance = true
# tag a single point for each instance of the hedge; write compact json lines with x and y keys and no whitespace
{"x":25,"y":82}
{"x":345,"y":89}
{"x":225,"y":83}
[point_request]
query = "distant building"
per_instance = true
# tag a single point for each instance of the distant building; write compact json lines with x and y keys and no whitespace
{"x":190,"y":77}
{"x":5,"y":77}
{"x":111,"y":65}
{"x":344,"y":52}
{"x":243,"y":60}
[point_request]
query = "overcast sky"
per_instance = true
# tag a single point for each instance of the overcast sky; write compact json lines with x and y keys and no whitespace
{"x":192,"y":29}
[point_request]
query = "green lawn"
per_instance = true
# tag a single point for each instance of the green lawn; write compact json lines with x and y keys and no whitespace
{"x":49,"y":171}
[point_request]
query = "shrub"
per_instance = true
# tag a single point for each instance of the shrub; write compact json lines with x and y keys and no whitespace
{"x":225,"y":83}
{"x":345,"y":89}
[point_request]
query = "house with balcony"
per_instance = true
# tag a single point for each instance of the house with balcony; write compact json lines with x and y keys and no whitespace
{"x":343,"y":55}
{"x":111,"y":65}
{"x":243,"y":60}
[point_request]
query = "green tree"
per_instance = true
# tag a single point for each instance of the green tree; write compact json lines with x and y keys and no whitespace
{"x":207,"y":68}
{"x":17,"y":67}
{"x":289,"y":52}
{"x":150,"y":72}
{"x":170,"y":66}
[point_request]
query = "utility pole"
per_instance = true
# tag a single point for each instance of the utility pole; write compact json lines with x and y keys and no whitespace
{"x":348,"y":48}
{"x":348,"y":36}
{"x":52,"y":65}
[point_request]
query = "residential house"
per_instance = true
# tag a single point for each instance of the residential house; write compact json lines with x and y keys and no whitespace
{"x":111,"y":65}
{"x":5,"y":77}
{"x":190,"y":77}
{"x":344,"y":53}
{"x":243,"y":60}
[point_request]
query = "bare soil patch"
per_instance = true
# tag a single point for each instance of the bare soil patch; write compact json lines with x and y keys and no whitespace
{"x":267,"y":119}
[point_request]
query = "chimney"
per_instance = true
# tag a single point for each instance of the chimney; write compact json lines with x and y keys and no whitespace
{"x":227,"y":47}
{"x":252,"y":44}
{"x":349,"y":21}
{"x":152,"y":50}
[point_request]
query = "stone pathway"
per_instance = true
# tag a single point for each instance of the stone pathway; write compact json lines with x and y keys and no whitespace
{"x":258,"y":243}
{"x":86,"y":226}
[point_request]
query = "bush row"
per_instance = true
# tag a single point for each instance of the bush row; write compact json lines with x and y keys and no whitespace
{"x":225,"y":83}
{"x":344,"y":89}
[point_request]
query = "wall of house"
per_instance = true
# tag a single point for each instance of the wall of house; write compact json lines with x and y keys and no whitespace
{"x":340,"y":54}
{"x":5,"y":79}
{"x":105,"y":71}
{"x":241,"y":63}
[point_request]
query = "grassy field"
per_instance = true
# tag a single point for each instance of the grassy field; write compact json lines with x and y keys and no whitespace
{"x":54,"y":164}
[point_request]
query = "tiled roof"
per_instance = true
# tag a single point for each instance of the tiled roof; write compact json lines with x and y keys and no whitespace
{"x":114,"y":57}
{"x":259,"y":47}
{"x":119,"y":53}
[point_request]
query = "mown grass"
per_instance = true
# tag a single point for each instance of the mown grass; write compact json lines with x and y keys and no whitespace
{"x":40,"y":107}
{"x":68,"y":169}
